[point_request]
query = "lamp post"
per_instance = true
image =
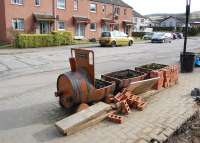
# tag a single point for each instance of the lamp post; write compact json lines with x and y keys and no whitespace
{"x":187,"y":58}
{"x":188,"y":3}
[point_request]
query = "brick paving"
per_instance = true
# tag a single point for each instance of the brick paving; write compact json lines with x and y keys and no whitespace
{"x":165,"y":112}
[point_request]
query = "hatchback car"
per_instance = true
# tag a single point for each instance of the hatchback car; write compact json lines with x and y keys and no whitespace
{"x":161,"y":37}
{"x":115,"y":38}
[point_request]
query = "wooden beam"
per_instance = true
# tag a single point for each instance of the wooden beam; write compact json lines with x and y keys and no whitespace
{"x":83,"y":119}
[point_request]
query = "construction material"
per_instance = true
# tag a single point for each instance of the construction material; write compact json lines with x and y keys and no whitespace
{"x":123,"y":78}
{"x":84,"y":118}
{"x":142,"y":86}
{"x":115,"y":118}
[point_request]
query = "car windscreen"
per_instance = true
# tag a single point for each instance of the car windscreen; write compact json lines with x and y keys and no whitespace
{"x":105,"y":34}
{"x":158,"y":35}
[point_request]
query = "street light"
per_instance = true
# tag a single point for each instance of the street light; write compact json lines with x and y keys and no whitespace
{"x":188,"y":3}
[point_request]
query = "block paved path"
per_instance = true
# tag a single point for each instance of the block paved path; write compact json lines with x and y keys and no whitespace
{"x":165,"y":112}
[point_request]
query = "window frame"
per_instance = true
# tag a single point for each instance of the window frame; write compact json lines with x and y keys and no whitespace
{"x":17,"y":21}
{"x":38,"y":1}
{"x":95,"y":7}
{"x":95,"y":27}
{"x":17,"y":3}
{"x":75,"y":6}
{"x":104,"y":8}
{"x":125,"y":11}
{"x":58,"y":6}
{"x":59,"y":29}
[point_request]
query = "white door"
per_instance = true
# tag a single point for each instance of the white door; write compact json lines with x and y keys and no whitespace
{"x":80,"y":30}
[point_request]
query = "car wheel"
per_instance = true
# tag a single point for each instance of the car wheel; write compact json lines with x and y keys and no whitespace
{"x":130,"y":43}
{"x":113,"y":44}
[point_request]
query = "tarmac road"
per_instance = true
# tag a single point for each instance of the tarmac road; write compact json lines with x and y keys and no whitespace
{"x":28,"y":108}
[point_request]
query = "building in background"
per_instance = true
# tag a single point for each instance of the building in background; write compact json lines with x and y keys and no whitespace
{"x":84,"y":18}
{"x":172,"y":21}
{"x":141,"y":23}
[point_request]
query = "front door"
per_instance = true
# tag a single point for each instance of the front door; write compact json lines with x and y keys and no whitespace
{"x":80,"y":30}
{"x":44,"y":27}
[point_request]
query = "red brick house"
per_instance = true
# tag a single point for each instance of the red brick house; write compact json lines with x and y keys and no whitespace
{"x":84,"y":18}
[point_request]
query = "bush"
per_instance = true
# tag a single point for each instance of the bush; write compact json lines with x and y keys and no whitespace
{"x":43,"y":40}
{"x":92,"y":40}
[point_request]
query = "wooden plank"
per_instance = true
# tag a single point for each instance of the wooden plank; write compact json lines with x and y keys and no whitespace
{"x":90,"y":123}
{"x":72,"y":123}
{"x":142,"y":86}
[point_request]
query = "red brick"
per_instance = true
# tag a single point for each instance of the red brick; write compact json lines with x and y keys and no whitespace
{"x":125,"y":107}
{"x":118,"y":97}
{"x":141,"y":106}
{"x":115,"y":118}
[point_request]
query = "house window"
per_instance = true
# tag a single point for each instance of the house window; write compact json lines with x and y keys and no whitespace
{"x":37,"y":2}
{"x":19,"y":2}
{"x":142,"y":20}
{"x":18,"y":24}
{"x":103,"y":8}
{"x":93,"y":26}
{"x":117,"y":10}
{"x":61,"y":4}
{"x":61,"y":25}
{"x":125,"y":11}
{"x":75,"y":5}
{"x":93,"y":7}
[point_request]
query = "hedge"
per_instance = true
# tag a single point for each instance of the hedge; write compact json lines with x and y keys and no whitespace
{"x":43,"y":40}
{"x":138,"y":34}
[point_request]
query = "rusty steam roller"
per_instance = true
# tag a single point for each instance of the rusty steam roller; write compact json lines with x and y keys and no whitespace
{"x":79,"y":85}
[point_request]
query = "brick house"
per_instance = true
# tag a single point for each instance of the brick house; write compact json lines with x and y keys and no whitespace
{"x":84,"y":18}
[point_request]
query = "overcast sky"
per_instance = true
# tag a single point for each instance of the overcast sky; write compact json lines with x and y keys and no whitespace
{"x":162,"y":6}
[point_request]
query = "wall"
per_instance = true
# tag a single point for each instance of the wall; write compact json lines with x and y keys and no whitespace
{"x":25,"y":11}
{"x":2,"y":22}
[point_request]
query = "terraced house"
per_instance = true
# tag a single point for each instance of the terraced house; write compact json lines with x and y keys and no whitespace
{"x":84,"y":18}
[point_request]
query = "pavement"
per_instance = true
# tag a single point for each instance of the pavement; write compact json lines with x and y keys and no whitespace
{"x":29,"y":109}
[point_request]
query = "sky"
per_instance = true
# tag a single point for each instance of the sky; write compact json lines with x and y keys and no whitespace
{"x":162,"y":6}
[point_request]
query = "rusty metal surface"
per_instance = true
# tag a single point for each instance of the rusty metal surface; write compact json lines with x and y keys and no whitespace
{"x":84,"y":63}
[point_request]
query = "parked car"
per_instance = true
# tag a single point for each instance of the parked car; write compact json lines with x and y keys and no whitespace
{"x":179,"y":35}
{"x":161,"y":37}
{"x":175,"y":36}
{"x":115,"y":38}
{"x":148,"y":36}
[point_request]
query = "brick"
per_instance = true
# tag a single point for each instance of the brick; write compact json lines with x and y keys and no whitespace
{"x":115,"y":118}
{"x":118,"y":97}
{"x":141,"y":106}
{"x":125,"y":107}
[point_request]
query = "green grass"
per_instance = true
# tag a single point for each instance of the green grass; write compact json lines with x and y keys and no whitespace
{"x":77,"y":42}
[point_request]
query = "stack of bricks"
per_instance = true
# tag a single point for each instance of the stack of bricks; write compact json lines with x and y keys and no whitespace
{"x":159,"y":83}
{"x":168,"y":76}
{"x":127,"y":101}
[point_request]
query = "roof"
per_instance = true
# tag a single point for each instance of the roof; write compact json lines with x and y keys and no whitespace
{"x":177,"y":18}
{"x":43,"y":17}
{"x":115,"y":2}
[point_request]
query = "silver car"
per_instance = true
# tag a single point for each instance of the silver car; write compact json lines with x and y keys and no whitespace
{"x":161,"y":37}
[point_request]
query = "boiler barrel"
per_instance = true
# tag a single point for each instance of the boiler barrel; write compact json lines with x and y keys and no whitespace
{"x":74,"y":88}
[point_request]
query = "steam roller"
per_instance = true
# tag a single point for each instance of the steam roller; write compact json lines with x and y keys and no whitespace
{"x":79,"y":85}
